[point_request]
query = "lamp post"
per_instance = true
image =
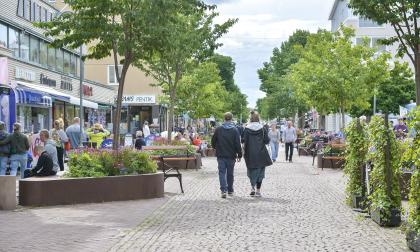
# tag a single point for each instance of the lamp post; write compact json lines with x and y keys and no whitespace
{"x":82,"y":72}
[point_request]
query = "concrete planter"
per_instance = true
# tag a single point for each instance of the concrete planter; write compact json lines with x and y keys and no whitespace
{"x":413,"y":241}
{"x":7,"y":192}
{"x":50,"y":191}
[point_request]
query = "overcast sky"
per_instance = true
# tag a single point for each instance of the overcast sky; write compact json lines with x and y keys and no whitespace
{"x":263,"y":25}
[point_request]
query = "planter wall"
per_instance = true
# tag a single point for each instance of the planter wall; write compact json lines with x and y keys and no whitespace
{"x":62,"y":191}
{"x":7,"y":192}
{"x":413,"y":241}
{"x":394,"y":221}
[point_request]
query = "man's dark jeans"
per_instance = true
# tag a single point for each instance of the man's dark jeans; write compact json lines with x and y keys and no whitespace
{"x":225,"y":166}
{"x":289,"y":146}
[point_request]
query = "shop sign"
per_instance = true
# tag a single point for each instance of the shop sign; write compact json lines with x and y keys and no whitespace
{"x":47,"y":81}
{"x":148,"y":99}
{"x":87,"y":91}
{"x":24,"y":74}
{"x":4,"y":71}
{"x":66,"y":83}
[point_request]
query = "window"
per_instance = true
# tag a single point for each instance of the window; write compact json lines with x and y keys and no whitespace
{"x":51,"y":57}
{"x":34,"y":13}
{"x":43,"y":53}
{"x":24,"y":46}
{"x":14,"y":41}
{"x":34,"y":49}
{"x":376,"y":43}
{"x":39,"y":14}
{"x":26,"y":9}
{"x":78,"y":66}
{"x":363,"y":22}
{"x":66,"y":62}
{"x":112,"y":77}
{"x":3,"y":35}
{"x":361,"y":41}
{"x":20,"y":8}
{"x":59,"y":60}
{"x":73,"y":64}
{"x":44,"y":16}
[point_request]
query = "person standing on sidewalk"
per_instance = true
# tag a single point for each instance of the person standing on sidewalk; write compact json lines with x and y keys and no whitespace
{"x":59,"y":137}
{"x":227,"y":142}
{"x":19,"y":145}
{"x":255,"y":152}
{"x":73,"y":132}
{"x":275,"y":139}
{"x":4,"y":149}
{"x":289,"y":137}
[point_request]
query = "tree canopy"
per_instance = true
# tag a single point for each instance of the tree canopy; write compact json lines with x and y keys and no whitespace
{"x":403,"y":16}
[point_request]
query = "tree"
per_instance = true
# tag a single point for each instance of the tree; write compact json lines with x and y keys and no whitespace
{"x":403,"y":16}
{"x":190,"y":38}
{"x":125,"y":30}
{"x":400,"y":84}
{"x":201,"y":93}
{"x":281,"y":99}
{"x":333,"y":74}
{"x":236,"y":101}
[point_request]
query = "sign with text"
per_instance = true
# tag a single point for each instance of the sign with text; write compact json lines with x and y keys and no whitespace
{"x":142,"y":99}
{"x":24,"y":74}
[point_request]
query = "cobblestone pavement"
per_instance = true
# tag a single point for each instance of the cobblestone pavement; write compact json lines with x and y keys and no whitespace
{"x":301,"y":210}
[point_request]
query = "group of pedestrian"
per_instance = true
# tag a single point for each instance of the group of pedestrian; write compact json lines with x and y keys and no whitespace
{"x":231,"y":145}
{"x":14,"y":147}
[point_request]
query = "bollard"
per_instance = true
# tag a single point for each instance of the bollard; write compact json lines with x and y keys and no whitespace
{"x":7,"y":192}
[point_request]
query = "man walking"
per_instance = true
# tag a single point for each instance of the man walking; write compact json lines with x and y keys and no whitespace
{"x":226,"y":141}
{"x":74,"y":132}
{"x":289,"y":137}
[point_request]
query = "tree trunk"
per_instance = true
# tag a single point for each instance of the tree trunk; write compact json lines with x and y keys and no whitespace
{"x":171,"y":122}
{"x":117,"y":117}
{"x":417,"y":70}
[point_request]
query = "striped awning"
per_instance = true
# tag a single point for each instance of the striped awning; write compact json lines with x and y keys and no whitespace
{"x":26,"y":96}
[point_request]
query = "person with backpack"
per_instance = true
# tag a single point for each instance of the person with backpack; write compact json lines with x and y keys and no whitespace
{"x":4,"y":149}
{"x":255,"y":153}
{"x":227,"y":143}
{"x":59,"y":137}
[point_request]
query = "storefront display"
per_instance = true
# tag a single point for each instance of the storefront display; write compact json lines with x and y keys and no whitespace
{"x":7,"y":107}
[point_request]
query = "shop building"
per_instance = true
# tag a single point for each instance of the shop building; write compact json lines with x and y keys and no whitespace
{"x":40,"y":83}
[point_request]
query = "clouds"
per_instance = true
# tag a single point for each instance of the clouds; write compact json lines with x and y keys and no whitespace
{"x":263,"y":25}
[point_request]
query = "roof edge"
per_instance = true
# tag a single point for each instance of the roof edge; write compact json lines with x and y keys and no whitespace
{"x":334,"y":7}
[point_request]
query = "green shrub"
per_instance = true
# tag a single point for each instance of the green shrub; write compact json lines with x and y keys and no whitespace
{"x":380,"y":198}
{"x":355,"y":154}
{"x":411,"y":158}
{"x":83,"y":165}
{"x":141,"y":163}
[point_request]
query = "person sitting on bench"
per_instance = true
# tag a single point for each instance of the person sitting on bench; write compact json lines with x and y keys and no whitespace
{"x":44,"y":166}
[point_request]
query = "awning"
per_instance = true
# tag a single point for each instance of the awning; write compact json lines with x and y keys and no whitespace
{"x":60,"y":95}
{"x":25,"y":96}
{"x":86,"y":103}
{"x":54,"y":93}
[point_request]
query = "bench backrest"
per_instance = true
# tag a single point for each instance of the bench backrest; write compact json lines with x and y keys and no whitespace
{"x":165,"y":147}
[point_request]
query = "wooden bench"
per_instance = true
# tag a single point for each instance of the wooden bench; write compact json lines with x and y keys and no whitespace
{"x":332,"y":159}
{"x":170,"y":171}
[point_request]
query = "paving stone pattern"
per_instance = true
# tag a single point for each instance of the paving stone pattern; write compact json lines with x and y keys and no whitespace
{"x":302,"y":209}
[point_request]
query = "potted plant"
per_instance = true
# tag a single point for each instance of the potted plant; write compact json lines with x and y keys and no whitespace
{"x":385,"y":208}
{"x":411,"y":158}
{"x":355,"y":154}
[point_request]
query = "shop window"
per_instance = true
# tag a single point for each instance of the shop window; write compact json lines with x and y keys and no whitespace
{"x":43,"y":53}
{"x":3,"y":35}
{"x":14,"y":41}
{"x":34,"y":50}
{"x":24,"y":46}
{"x":58,"y":110}
{"x":59,"y":60}
{"x":112,"y":77}
{"x":73,"y":64}
{"x":70,"y":114}
{"x":51,"y":57}
{"x":33,"y":119}
{"x":66,"y":62}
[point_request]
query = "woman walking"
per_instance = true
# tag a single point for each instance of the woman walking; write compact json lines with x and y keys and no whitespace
{"x":275,"y":138}
{"x":255,"y":153}
{"x":59,"y":137}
